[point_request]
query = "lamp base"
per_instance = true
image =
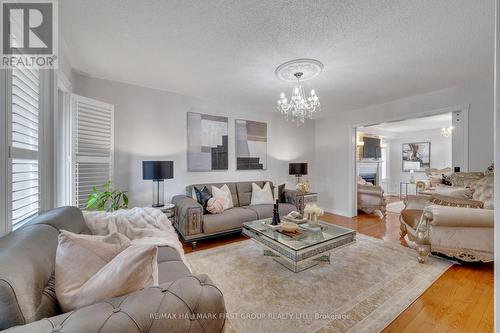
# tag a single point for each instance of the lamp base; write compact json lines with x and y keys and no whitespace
{"x":158,"y":193}
{"x":157,"y":205}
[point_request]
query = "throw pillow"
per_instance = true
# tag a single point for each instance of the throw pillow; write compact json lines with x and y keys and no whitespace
{"x":446,"y":180}
{"x":215,"y":205}
{"x":202,"y":197}
{"x":91,"y":269}
{"x":454,"y":192}
{"x":261,"y":196}
{"x":281,"y":193}
{"x":225,"y":194}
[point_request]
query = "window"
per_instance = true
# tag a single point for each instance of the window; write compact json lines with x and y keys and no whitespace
{"x":92,"y":151}
{"x":23,"y":142}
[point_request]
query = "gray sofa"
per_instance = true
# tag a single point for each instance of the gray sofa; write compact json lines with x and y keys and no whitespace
{"x":27,"y":297}
{"x":193,"y":225}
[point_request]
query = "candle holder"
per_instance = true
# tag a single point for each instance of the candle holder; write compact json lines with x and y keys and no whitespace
{"x":276,"y":214}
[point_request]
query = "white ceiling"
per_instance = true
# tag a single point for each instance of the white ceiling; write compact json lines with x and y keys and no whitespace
{"x":373,"y":51}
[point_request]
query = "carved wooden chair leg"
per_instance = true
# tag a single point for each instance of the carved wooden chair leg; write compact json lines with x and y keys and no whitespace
{"x":423,"y":241}
{"x":402,"y":230}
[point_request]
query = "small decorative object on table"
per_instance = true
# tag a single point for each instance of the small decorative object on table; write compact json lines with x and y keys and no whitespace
{"x":295,"y":217}
{"x":313,"y":212}
{"x":169,"y":210}
{"x":412,"y":176}
{"x":276,"y":214}
{"x":289,"y":226}
{"x":303,"y":187}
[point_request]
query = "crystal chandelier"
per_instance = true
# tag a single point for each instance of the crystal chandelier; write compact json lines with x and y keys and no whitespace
{"x":447,"y":132}
{"x":300,"y":107}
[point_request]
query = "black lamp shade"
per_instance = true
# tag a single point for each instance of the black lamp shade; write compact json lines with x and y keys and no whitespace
{"x":297,"y":169}
{"x":157,"y":170}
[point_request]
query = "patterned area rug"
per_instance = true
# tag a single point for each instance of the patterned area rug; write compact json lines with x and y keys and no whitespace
{"x":366,"y":286}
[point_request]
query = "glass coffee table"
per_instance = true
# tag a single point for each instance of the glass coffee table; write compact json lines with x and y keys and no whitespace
{"x":297,"y":253}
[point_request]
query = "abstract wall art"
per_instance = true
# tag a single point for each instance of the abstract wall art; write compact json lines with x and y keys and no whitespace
{"x":251,"y":145}
{"x":416,"y":156}
{"x":207,"y":142}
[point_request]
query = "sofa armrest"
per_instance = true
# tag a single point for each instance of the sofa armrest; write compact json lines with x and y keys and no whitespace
{"x":368,"y":189}
{"x":189,"y":215}
{"x":444,"y":216}
{"x":295,"y":198}
{"x":423,"y":185}
{"x":190,"y":304}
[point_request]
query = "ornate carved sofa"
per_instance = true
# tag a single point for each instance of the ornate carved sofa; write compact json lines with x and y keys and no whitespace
{"x":460,"y":228}
{"x":370,"y":198}
{"x":435,"y":177}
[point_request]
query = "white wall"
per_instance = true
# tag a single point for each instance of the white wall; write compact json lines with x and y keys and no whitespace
{"x":333,"y":136}
{"x":441,"y":149}
{"x":151,"y":125}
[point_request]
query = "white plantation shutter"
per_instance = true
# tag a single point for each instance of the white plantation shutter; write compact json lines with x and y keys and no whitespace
{"x":92,"y":135}
{"x":24,"y":155}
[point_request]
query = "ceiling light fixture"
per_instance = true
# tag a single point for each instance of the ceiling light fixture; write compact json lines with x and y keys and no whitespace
{"x":447,"y":132}
{"x":300,"y":106}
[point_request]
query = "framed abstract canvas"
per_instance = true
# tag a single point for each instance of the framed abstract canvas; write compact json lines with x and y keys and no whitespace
{"x":207,"y":142}
{"x":416,"y":156}
{"x":251,"y":145}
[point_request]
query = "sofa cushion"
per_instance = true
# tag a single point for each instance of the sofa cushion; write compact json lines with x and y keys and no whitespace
{"x":463,"y":178}
{"x":245,"y":191}
{"x":483,"y":191}
{"x":91,"y":269}
{"x":266,"y":211}
{"x":262,"y":195}
{"x":229,"y":220}
{"x":225,"y":193}
{"x":232,"y":188}
{"x":454,"y":191}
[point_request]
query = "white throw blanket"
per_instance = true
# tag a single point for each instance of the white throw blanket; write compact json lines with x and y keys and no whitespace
{"x":146,"y":225}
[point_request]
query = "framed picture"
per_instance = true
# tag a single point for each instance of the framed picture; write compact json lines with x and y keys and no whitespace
{"x":251,"y":145}
{"x":207,"y":142}
{"x":416,"y":156}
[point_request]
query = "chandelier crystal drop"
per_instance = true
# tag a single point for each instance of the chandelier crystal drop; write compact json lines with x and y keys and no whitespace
{"x":300,"y":107}
{"x":447,"y":132}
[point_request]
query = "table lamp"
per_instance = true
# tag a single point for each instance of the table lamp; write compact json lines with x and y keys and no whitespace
{"x":297,"y":169}
{"x":157,"y":171}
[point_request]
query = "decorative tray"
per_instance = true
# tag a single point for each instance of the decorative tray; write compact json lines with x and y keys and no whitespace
{"x":272,"y":227}
{"x":294,"y":220}
{"x":292,"y":234}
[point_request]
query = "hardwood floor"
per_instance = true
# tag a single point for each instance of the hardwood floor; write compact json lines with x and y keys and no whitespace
{"x":461,"y":300}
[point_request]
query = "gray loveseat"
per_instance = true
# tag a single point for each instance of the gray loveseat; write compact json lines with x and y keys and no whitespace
{"x":193,"y":225}
{"x":181,"y":303}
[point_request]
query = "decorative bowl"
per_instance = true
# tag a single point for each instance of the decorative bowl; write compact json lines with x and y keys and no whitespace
{"x":289,"y":226}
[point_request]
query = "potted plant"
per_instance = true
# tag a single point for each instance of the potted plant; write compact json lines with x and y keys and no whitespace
{"x":107,"y":198}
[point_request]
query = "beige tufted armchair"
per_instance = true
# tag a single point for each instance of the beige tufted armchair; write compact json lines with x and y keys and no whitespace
{"x":459,"y":228}
{"x":370,"y":198}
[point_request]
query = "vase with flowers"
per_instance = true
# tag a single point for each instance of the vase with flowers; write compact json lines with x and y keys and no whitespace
{"x":313,"y":213}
